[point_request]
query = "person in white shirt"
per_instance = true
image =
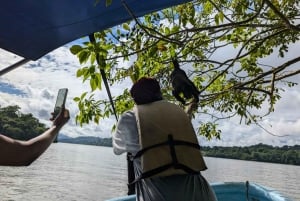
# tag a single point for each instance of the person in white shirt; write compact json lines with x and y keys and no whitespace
{"x":166,"y":156}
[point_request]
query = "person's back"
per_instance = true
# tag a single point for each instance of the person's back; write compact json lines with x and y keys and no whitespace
{"x":172,"y":180}
{"x":166,"y":172}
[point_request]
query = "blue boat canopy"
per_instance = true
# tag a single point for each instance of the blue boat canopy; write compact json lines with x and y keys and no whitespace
{"x":33,"y":28}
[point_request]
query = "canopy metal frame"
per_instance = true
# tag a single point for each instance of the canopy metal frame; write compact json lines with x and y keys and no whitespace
{"x":13,"y":66}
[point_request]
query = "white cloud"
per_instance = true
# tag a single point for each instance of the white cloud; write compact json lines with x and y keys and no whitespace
{"x":282,"y":127}
{"x":40,"y":81}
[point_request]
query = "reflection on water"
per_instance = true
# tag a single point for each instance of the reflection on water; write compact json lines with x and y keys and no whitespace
{"x":284,"y":178}
{"x":68,"y":172}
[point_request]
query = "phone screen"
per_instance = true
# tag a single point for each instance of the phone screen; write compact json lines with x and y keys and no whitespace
{"x":60,"y":101}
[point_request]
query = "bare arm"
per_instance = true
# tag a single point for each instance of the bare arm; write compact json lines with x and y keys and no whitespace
{"x":22,"y":153}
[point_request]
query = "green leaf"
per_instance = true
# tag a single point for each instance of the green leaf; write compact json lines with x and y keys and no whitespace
{"x":217,"y":19}
{"x":93,"y":84}
{"x":99,"y":79}
{"x":75,"y":49}
{"x":108,"y":3}
{"x":126,"y":26}
{"x":221,"y":17}
{"x":93,"y":57}
{"x":76,"y":99}
{"x":83,"y":56}
{"x":83,"y":95}
{"x":167,"y":30}
{"x":79,"y":73}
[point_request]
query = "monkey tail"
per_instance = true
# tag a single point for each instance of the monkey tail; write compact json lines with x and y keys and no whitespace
{"x":175,"y":63}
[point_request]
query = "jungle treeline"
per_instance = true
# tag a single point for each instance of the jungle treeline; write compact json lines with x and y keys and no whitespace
{"x":19,"y":126}
{"x":260,"y":152}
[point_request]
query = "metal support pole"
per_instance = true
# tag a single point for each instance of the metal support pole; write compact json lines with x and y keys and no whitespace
{"x":12,"y":67}
{"x":92,"y":39}
{"x":130,"y":169}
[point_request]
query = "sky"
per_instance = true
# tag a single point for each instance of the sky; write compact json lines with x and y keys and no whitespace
{"x":34,"y":87}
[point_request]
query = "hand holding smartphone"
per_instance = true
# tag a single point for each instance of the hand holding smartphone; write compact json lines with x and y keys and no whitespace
{"x":60,"y":101}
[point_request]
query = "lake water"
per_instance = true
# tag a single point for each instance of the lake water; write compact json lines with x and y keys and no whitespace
{"x":68,"y":172}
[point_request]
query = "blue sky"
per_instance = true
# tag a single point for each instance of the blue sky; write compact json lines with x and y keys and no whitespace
{"x":34,"y":88}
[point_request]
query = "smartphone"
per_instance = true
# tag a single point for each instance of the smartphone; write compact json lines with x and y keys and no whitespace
{"x":60,"y":101}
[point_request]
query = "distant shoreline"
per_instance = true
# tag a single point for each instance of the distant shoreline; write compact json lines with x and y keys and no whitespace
{"x":289,"y":155}
{"x":86,"y":140}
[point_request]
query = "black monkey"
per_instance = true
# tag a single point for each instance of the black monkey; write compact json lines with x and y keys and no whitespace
{"x":182,"y":84}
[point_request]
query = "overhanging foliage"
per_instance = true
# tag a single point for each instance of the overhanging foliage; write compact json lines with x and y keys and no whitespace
{"x":221,"y":44}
